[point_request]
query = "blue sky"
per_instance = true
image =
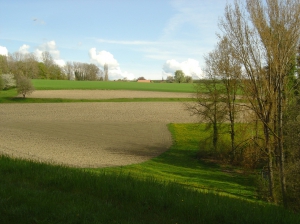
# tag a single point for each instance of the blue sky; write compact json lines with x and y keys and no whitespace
{"x":150,"y":38}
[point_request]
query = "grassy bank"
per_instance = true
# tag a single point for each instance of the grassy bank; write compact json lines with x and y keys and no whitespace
{"x":163,"y":190}
{"x":39,"y":193}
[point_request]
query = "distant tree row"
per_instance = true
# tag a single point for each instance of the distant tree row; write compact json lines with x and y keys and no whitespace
{"x":179,"y":77}
{"x":27,"y":65}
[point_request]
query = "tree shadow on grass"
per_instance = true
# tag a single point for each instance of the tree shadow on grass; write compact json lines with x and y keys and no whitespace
{"x":183,"y":167}
{"x":207,"y":175}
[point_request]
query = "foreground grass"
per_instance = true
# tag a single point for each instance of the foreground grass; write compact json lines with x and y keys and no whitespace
{"x":179,"y":164}
{"x":164,"y":190}
{"x":40,"y":193}
{"x":41,"y":84}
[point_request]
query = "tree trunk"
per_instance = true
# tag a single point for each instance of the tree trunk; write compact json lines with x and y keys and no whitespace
{"x":270,"y":163}
{"x":215,"y":136}
{"x":269,"y":150}
{"x":280,"y":145}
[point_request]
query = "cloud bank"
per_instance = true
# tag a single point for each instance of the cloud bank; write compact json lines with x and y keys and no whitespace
{"x":3,"y":51}
{"x":51,"y":47}
{"x":101,"y":58}
{"x":24,"y":49}
{"x":190,"y":67}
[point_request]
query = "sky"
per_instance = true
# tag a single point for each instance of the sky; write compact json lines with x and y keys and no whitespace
{"x":136,"y":38}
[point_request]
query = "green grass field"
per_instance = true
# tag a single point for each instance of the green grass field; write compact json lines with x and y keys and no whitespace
{"x":180,"y":165}
{"x":41,"y":84}
{"x":172,"y":188}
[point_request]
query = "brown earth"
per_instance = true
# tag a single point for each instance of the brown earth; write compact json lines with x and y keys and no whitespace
{"x":105,"y":94}
{"x":89,"y":134}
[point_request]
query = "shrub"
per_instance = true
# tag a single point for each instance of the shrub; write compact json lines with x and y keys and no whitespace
{"x":170,"y":79}
{"x":189,"y":79}
{"x":8,"y":81}
{"x":24,"y":86}
{"x":1,"y":83}
{"x":141,"y":78}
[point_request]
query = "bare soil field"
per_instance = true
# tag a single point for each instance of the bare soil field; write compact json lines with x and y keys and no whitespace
{"x":105,"y":94}
{"x":89,"y":134}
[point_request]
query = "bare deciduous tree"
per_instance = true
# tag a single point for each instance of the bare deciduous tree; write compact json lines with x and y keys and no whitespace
{"x":84,"y":71}
{"x":227,"y":69}
{"x":211,"y":109}
{"x":264,"y":39}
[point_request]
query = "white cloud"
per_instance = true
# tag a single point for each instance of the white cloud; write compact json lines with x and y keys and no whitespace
{"x":128,"y":75}
{"x":60,"y":62}
{"x":38,"y":54}
{"x":101,"y":58}
{"x":190,"y":67}
{"x":117,"y":73}
{"x":51,"y":47}
{"x":3,"y":51}
{"x":24,"y":49}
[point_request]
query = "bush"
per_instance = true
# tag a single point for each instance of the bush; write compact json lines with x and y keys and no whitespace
{"x":189,"y":79}
{"x":170,"y":79}
{"x":8,"y":81}
{"x":1,"y":83}
{"x":141,"y":78}
{"x":24,"y":86}
{"x":293,"y":186}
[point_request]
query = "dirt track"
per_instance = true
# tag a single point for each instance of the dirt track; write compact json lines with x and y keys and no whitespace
{"x":89,"y":134}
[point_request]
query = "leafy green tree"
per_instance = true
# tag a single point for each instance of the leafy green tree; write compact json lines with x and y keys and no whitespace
{"x":23,"y":65}
{"x":1,"y":83}
{"x":189,"y":79}
{"x":3,"y":65}
{"x":170,"y":79}
{"x":179,"y":76}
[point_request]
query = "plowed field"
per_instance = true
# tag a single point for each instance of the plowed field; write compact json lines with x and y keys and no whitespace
{"x":89,"y":134}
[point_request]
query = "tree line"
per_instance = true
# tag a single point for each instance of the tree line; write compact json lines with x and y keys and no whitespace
{"x":27,"y":65}
{"x":179,"y":77}
{"x":254,"y":73}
